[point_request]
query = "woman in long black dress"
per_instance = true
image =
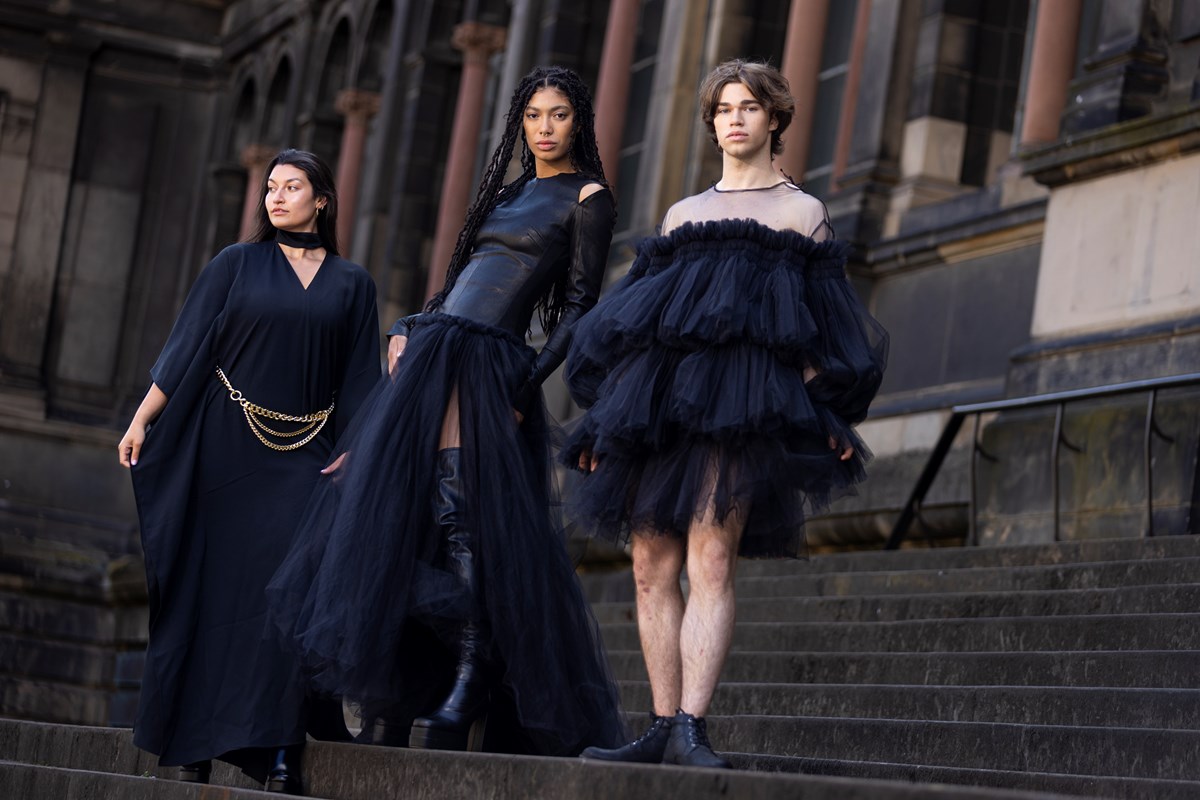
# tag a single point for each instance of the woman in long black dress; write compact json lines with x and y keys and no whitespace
{"x":274,"y":350}
{"x":429,"y":578}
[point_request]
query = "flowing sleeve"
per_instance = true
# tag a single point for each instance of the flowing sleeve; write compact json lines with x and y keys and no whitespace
{"x":591,"y":235}
{"x":362,"y":364}
{"x":204,"y":304}
{"x":851,"y":347}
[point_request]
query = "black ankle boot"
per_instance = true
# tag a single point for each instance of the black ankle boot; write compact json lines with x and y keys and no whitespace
{"x":198,"y":772}
{"x":688,"y":744}
{"x":458,"y":724}
{"x":646,"y":749}
{"x":284,"y":777}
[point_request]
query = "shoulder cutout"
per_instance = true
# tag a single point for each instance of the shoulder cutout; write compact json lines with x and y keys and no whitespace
{"x":589,"y":190}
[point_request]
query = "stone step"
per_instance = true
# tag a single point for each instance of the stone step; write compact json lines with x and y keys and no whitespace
{"x":57,"y":783}
{"x":1002,"y":634}
{"x":356,"y":772}
{"x":1174,"y":709}
{"x":1117,"y":752}
{"x":1175,"y":669}
{"x":890,"y":608}
{"x":1123,"y":549}
{"x":1085,"y":785}
{"x":71,"y":620}
{"x":618,"y":586}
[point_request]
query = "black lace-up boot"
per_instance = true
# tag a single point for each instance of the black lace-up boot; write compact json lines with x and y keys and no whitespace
{"x":458,"y":724}
{"x":688,"y":744}
{"x":646,"y":749}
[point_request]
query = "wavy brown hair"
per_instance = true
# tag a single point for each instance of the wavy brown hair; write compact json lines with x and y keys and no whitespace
{"x":766,"y":83}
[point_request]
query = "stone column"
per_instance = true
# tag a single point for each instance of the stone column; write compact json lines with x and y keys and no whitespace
{"x":254,"y":158}
{"x":477,"y":41}
{"x":845,"y":131}
{"x":1126,"y":73}
{"x":1051,"y":66}
{"x":44,"y":200}
{"x":612,"y":90}
{"x":802,"y":66}
{"x":357,"y":106}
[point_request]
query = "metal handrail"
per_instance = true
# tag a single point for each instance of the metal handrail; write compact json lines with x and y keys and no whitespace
{"x":916,"y":498}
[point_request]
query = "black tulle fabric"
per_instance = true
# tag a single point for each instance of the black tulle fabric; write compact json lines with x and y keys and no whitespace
{"x":692,"y":371}
{"x":364,"y":600}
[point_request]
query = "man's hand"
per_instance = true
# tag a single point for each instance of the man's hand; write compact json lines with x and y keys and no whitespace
{"x":847,"y":450}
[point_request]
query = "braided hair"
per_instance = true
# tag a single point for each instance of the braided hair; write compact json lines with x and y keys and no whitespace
{"x":585,"y":158}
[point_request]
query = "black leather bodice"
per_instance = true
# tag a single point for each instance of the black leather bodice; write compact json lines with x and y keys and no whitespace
{"x":522,"y":249}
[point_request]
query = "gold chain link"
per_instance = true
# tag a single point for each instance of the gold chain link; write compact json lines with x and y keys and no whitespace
{"x":258,"y":427}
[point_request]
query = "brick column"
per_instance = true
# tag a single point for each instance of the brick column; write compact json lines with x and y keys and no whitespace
{"x":845,"y":132}
{"x":1051,"y":67}
{"x":254,"y":158}
{"x":357,"y":107}
{"x":612,"y":90}
{"x":802,"y":67}
{"x":477,"y":41}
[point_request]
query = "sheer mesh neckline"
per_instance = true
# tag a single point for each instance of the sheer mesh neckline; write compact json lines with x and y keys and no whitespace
{"x":783,"y":206}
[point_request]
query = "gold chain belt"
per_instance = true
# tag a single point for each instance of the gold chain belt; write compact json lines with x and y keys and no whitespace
{"x":255,"y":414}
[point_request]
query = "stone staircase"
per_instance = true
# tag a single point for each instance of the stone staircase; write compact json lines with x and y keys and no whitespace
{"x":1046,"y":670}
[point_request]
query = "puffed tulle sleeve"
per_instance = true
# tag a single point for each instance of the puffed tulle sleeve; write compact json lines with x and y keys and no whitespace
{"x":850,"y":349}
{"x":204,"y":304}
{"x":362,"y":365}
{"x":591,"y":234}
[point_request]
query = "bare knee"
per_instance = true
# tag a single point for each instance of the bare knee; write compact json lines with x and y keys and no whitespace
{"x":712,"y":563}
{"x":657,"y":563}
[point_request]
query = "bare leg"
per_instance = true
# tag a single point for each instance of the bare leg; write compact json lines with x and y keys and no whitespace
{"x":707,"y":628}
{"x":657,"y":561}
{"x":451,"y":435}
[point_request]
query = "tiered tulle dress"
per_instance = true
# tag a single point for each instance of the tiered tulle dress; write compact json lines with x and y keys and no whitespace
{"x":692,"y":369}
{"x":366,"y":600}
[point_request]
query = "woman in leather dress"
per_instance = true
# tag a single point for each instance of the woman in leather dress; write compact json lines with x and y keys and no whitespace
{"x":429,"y":583}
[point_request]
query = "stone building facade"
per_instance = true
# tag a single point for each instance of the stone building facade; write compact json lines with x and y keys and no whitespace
{"x":1019,"y":180}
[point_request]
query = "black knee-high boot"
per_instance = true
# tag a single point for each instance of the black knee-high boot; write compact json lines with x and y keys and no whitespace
{"x":454,"y":725}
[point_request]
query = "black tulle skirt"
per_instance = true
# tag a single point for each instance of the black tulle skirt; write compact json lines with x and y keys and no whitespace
{"x":364,"y":599}
{"x":692,"y":369}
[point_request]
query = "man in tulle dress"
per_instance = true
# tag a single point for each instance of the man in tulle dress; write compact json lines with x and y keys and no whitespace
{"x":722,"y":376}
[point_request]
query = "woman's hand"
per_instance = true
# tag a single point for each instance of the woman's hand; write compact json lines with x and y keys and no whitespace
{"x":847,"y":449}
{"x":131,"y":444}
{"x":396,"y":345}
{"x":588,"y":461}
{"x":519,"y":416}
{"x":336,"y":465}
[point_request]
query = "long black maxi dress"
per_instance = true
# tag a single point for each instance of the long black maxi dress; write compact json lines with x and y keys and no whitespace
{"x":366,"y":599}
{"x":219,"y":509}
{"x":693,"y":373}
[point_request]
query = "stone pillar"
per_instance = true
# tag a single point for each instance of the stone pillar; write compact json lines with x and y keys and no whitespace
{"x":357,"y":107}
{"x":1051,"y":66}
{"x":1127,"y":72}
{"x":41,"y":218}
{"x":254,"y":158}
{"x":477,"y":41}
{"x":612,"y":91}
{"x":802,"y":66}
{"x":858,"y":47}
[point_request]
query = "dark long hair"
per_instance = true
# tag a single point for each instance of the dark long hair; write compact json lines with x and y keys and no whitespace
{"x":585,"y":158}
{"x":321,"y":178}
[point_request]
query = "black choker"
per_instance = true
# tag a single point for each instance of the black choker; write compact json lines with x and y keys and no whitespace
{"x":308,"y":241}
